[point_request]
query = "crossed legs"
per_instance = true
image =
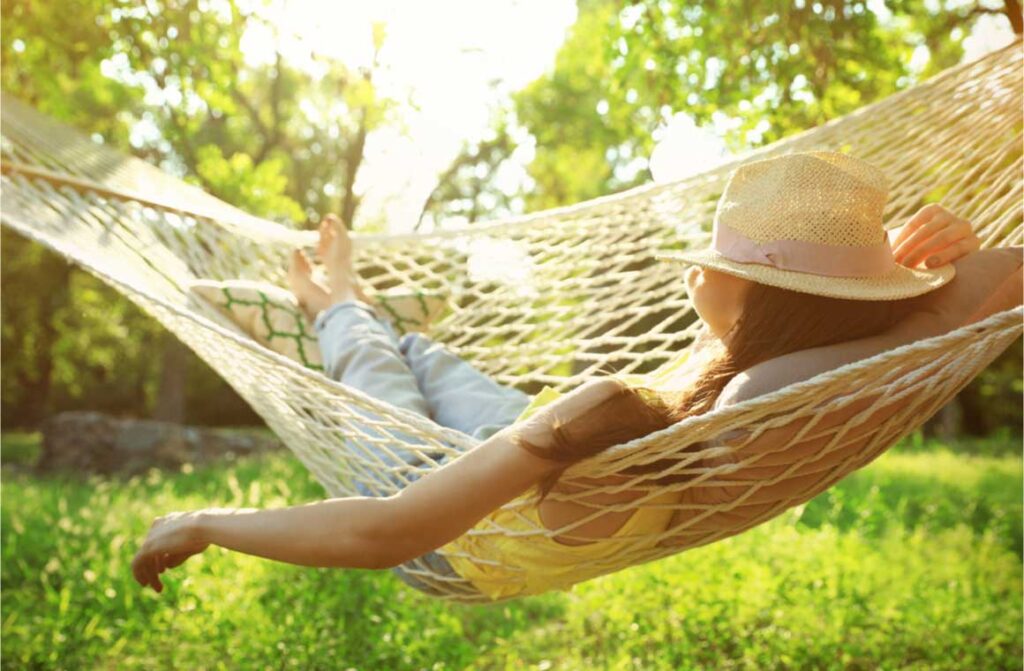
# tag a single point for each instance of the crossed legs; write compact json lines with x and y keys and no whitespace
{"x":413,"y":372}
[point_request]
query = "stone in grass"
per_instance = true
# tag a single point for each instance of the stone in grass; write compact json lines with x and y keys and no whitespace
{"x":91,"y":442}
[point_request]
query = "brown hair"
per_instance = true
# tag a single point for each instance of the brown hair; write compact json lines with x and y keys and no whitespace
{"x":773,"y":322}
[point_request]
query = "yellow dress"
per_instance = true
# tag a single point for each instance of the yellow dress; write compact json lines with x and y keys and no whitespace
{"x":503,"y":564}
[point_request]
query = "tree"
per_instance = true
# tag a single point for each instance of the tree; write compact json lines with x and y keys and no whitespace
{"x":762,"y":71}
{"x":169,"y":81}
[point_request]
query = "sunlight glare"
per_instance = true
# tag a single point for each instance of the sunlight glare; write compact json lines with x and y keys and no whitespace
{"x":448,"y":63}
{"x":684,"y":150}
{"x":503,"y":261}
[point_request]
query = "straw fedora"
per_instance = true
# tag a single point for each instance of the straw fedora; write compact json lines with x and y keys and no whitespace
{"x":810,"y":222}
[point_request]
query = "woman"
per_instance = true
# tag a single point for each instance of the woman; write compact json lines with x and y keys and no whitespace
{"x":801,"y":272}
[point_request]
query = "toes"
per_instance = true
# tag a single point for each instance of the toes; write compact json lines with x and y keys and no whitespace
{"x":329,"y":225}
{"x":299,"y":262}
{"x":327,"y":232}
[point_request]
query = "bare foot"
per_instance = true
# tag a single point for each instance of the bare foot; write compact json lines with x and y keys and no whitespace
{"x":334,"y":241}
{"x":312,"y":297}
{"x":335,"y":251}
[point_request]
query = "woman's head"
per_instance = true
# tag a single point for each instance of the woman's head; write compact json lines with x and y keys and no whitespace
{"x":756,"y":322}
{"x":811,"y":222}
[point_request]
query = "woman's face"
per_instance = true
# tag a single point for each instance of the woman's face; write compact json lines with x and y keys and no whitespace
{"x":717,"y":297}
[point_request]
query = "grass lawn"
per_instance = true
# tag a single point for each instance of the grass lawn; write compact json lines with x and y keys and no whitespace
{"x":911,"y":563}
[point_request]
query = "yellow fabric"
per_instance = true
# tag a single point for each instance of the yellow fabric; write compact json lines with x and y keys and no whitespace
{"x":503,"y":565}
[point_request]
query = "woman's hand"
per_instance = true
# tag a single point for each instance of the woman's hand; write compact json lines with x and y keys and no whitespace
{"x":171,"y":540}
{"x":934,"y":235}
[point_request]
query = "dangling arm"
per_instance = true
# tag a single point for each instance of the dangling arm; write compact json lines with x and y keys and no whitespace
{"x":362,"y":532}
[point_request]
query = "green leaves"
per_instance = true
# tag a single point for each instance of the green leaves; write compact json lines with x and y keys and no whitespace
{"x":755,"y":72}
{"x":172,"y":83}
{"x":258,"y":189}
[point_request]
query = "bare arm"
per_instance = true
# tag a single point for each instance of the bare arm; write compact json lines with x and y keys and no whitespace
{"x":1007,"y":296}
{"x":363,"y":532}
{"x":986,"y":282}
{"x":933,"y":236}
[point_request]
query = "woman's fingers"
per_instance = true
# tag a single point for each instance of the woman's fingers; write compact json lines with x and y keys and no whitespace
{"x":934,"y":235}
{"x":171,"y":540}
{"x":920,"y":228}
{"x":142,"y":570}
{"x":174,"y":561}
{"x":146,"y":569}
{"x":921,"y":217}
{"x":151,"y":559}
{"x":155,"y":575}
{"x":933,"y":240}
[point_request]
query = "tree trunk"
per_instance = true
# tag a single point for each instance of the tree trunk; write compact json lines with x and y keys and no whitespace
{"x":1014,"y":14}
{"x":39,"y":386}
{"x":53,"y":287}
{"x":975,"y":414}
{"x":947,"y":423}
{"x":353,"y":159}
{"x":170,"y":400}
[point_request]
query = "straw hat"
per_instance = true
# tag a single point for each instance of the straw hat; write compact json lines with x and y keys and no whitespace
{"x":811,"y":222}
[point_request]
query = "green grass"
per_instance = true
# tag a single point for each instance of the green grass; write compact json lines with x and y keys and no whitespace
{"x":21,"y":448}
{"x":912,"y":563}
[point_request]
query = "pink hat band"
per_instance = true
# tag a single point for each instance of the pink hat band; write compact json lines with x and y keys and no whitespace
{"x":805,"y":257}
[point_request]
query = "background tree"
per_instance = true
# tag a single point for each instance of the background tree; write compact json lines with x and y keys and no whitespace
{"x":757,"y":71}
{"x":171,"y":82}
{"x":180,"y":83}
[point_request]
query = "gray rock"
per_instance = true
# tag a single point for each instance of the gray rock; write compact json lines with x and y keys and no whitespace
{"x":91,"y":442}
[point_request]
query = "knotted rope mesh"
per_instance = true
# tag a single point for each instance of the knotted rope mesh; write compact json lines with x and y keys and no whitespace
{"x":583,"y":294}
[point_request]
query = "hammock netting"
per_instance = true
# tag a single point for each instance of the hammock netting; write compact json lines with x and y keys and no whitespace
{"x":586,"y":297}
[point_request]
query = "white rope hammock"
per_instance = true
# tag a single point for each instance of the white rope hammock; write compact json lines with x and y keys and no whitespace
{"x":591,"y":297}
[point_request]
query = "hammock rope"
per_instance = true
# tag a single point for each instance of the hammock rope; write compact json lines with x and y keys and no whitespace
{"x":586,"y":296}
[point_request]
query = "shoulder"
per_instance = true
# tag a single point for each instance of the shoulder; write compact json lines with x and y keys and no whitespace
{"x":594,"y":392}
{"x":978,"y":275}
{"x":565,"y":407}
{"x":768,"y":376}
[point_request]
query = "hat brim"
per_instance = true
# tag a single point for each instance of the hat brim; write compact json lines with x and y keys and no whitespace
{"x":901,"y":282}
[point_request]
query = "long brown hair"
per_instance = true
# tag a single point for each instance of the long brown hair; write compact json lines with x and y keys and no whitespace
{"x":773,"y":322}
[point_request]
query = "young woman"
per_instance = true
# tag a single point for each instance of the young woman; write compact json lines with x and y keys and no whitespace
{"x":801,"y":278}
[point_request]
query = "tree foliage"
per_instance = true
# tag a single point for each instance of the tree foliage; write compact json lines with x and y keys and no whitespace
{"x":171,"y":82}
{"x":177,"y":83}
{"x":757,"y":71}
